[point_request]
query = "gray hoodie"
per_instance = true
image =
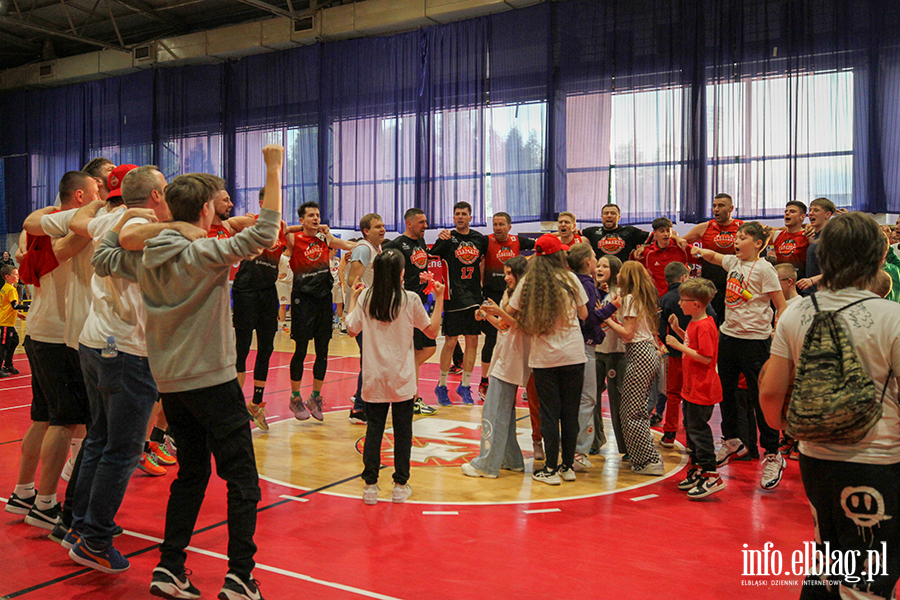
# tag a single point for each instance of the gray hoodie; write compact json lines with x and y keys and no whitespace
{"x":190,"y":340}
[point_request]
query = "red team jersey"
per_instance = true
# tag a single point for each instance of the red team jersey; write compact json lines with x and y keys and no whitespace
{"x":220,"y":231}
{"x":497,"y":255}
{"x":310,"y":264}
{"x":720,"y":239}
{"x":791,"y":248}
{"x":656,"y":259}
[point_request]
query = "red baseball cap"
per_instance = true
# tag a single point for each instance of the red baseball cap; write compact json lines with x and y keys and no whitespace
{"x":114,"y":181}
{"x":548,"y":244}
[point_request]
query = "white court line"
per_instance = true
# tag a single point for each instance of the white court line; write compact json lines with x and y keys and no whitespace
{"x":294,"y":498}
{"x":647,"y":497}
{"x":331,"y":584}
{"x":21,"y":387}
{"x":439,"y":512}
{"x":541,"y":510}
{"x":12,"y":407}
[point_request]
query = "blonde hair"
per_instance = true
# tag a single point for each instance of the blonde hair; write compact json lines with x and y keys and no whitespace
{"x":546,"y":293}
{"x":567,"y":214}
{"x":699,"y":289}
{"x":578,"y":254}
{"x":635,"y":280}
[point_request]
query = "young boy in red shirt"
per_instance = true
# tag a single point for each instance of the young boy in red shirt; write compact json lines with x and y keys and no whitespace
{"x":701,"y":388}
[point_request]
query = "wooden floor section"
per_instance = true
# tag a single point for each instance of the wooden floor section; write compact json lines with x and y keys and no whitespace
{"x":610,"y":534}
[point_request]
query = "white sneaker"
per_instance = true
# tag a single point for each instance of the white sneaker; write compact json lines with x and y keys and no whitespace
{"x":729,"y":449}
{"x":401,"y":493}
{"x":546,"y":476}
{"x":471,"y":471}
{"x":582,"y":462}
{"x":653,"y":468}
{"x":67,"y":469}
{"x":566,"y":473}
{"x":773,"y":469}
{"x":370,"y":494}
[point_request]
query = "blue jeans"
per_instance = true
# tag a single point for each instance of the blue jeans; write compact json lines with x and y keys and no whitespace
{"x":121,"y":392}
{"x":499,"y":441}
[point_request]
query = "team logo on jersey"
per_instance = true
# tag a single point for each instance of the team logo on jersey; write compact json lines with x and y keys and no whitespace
{"x":314,"y":251}
{"x":419,"y":258}
{"x":734,"y":287}
{"x":725,"y":239}
{"x":467,"y":253}
{"x":611,"y":244}
{"x":787,"y":247}
{"x":504,"y":254}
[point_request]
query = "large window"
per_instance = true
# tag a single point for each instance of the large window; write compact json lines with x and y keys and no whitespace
{"x":516,"y":152}
{"x":775,"y":139}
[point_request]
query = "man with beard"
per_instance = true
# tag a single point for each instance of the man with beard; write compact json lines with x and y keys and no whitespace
{"x":613,"y":239}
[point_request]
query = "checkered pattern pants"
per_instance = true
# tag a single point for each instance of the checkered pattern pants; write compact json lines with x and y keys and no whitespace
{"x":642,"y":364}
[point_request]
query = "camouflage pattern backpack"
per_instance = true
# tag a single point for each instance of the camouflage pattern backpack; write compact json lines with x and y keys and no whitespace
{"x":834,"y":400}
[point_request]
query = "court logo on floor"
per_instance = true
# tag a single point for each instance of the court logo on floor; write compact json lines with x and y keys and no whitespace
{"x":436,"y":443}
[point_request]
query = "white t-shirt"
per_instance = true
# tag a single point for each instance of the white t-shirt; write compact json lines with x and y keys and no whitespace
{"x":565,"y":346}
{"x":388,"y":355}
{"x":364,"y":253}
{"x":510,"y":358}
{"x":748,"y":319}
{"x":792,"y":300}
{"x":873,"y":326}
{"x":284,"y":285}
{"x":118,"y":308}
{"x":47,"y":317}
{"x":78,"y":286}
{"x":642,"y":332}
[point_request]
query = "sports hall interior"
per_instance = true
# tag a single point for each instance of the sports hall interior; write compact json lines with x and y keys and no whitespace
{"x":530,"y":108}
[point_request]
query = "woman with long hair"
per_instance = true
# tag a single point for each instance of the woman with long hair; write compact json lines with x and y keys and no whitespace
{"x":508,"y":370}
{"x":386,"y":314}
{"x":639,"y":322}
{"x":548,"y":305}
{"x":610,"y":356}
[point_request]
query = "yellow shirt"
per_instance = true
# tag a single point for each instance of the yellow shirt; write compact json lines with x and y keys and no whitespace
{"x":8,"y":296}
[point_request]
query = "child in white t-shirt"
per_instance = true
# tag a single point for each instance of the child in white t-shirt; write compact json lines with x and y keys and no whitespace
{"x":637,"y":329}
{"x":386,"y":314}
{"x":744,"y":338}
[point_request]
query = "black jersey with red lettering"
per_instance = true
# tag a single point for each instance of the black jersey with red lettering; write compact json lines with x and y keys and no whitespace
{"x":619,"y":242}
{"x":463,"y":254}
{"x":310,"y":264}
{"x":415,"y":257}
{"x":497,"y":255}
{"x":260,"y":272}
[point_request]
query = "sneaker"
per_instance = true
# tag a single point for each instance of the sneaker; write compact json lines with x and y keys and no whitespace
{"x":471,"y":471}
{"x":162,"y":455}
{"x":71,"y":538}
{"x":358,"y":417}
{"x":149,"y":465}
{"x":258,"y":414}
{"x":19,"y":506}
{"x":235,"y":588}
{"x":482,"y":391}
{"x":370,"y":494}
{"x":443,"y":396}
{"x":728,"y":450}
{"x":668,"y":440}
{"x":655,"y":420}
{"x":582,"y":462}
{"x":420,"y":408}
{"x":285,"y":329}
{"x":709,"y":484}
{"x":466,"y":394}
{"x":688,"y":483}
{"x":626,"y":458}
{"x":539,"y":451}
{"x":454,"y":370}
{"x":773,"y":469}
{"x":298,"y":407}
{"x":566,"y":473}
{"x":3,"y":374}
{"x":166,"y":584}
{"x":45,"y":519}
{"x":314,"y":404}
{"x":547,"y":476}
{"x":401,"y":493}
{"x":66,"y":474}
{"x":11,"y":370}
{"x":170,"y":446}
{"x":109,"y":560}
{"x":651,"y":468}
{"x":59,"y":531}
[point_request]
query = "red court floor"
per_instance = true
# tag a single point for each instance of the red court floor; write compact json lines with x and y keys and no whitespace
{"x":648,"y":542}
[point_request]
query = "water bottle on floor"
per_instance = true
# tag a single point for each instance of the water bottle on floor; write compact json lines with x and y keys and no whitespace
{"x":110,"y":350}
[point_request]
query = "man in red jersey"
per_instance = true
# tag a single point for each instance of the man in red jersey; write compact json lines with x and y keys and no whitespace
{"x":792,"y":242}
{"x":716,"y":235}
{"x":311,"y":308}
{"x":501,"y":247}
{"x":660,"y":253}
{"x":567,"y":231}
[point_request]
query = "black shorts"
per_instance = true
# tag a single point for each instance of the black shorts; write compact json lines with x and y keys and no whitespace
{"x":255,"y":309}
{"x":58,"y":393}
{"x":311,"y":317}
{"x":461,"y":322}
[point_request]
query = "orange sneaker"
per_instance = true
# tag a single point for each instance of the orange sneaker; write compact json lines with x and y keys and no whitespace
{"x":258,"y":414}
{"x":148,"y":465}
{"x":162,"y":454}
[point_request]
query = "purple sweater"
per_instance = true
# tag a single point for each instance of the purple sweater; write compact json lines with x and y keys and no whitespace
{"x":591,"y":327}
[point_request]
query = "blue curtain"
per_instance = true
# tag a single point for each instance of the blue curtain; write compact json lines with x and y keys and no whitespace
{"x":559,"y":106}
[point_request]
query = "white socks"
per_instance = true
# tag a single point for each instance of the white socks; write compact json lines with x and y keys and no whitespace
{"x":25,"y":490}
